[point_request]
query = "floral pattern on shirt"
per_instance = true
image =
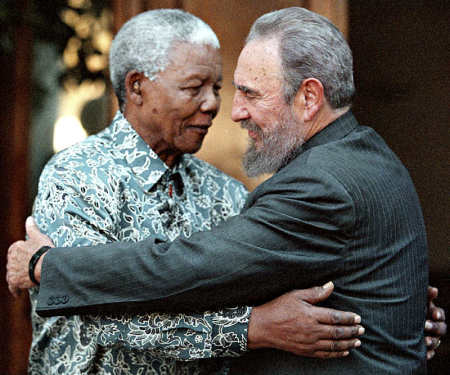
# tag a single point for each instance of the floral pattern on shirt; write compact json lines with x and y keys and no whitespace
{"x":113,"y":187}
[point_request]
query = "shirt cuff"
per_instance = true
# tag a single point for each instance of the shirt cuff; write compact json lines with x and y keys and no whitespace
{"x":230,"y":333}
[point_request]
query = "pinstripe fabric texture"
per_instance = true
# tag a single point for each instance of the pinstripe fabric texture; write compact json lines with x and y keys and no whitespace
{"x":345,"y":209}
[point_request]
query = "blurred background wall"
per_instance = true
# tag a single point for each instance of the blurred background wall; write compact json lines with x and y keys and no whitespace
{"x":53,"y":69}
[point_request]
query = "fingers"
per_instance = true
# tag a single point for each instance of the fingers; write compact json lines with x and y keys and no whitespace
{"x":432,"y":343}
{"x":437,"y":313}
{"x":14,"y":246}
{"x":9,"y":273}
{"x":433,"y":328}
{"x":430,"y":354}
{"x":11,"y":256}
{"x":35,"y":234}
{"x":435,"y":325}
{"x":331,"y":348}
{"x":290,"y":323}
{"x":333,"y":317}
{"x":324,"y":315}
{"x":328,"y":355}
{"x":31,"y":227}
{"x":17,"y":268}
{"x":343,"y":332}
{"x":341,"y":345}
{"x":14,"y":291}
{"x":337,"y":346}
{"x":432,"y":293}
{"x":315,"y":294}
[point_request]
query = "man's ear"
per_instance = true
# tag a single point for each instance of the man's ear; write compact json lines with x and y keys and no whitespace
{"x":133,"y":81}
{"x":309,"y":99}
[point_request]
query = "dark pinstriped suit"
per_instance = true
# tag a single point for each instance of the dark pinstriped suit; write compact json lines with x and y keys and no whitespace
{"x":344,"y":209}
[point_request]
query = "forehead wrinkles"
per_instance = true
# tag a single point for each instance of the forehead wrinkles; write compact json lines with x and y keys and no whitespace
{"x":187,"y":55}
{"x":259,"y":66}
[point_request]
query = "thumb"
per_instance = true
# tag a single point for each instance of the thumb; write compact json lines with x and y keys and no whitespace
{"x":317,"y":293}
{"x":432,"y":293}
{"x":35,"y":234}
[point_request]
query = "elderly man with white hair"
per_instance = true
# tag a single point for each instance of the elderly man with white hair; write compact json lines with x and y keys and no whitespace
{"x":340,"y":206}
{"x":137,"y":179}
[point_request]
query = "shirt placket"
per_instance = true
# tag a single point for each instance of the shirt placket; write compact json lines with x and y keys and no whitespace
{"x":173,"y":205}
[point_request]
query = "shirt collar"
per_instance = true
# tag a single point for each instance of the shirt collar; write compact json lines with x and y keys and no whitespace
{"x":131,"y":150}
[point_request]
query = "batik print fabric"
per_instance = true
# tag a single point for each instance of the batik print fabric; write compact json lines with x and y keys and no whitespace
{"x":113,"y":187}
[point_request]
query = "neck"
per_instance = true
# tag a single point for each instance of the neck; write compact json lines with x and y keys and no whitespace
{"x":324,"y":118}
{"x":159,"y":146}
{"x":169,"y":157}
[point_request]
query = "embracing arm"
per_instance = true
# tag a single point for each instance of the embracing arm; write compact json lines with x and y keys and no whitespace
{"x":71,"y":212}
{"x":140,"y":265}
{"x":435,"y":326}
{"x":277,"y":239}
{"x":291,"y":322}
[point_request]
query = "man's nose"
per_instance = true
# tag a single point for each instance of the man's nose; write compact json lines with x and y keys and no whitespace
{"x":211,"y":102}
{"x":238,"y":112}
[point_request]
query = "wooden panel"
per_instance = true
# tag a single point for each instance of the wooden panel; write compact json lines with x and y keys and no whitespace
{"x":124,"y":10}
{"x":14,"y":318}
{"x":155,"y":4}
{"x":335,"y":11}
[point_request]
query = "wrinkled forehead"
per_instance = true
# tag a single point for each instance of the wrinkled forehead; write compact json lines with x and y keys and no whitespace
{"x":180,"y":52}
{"x":259,"y":64}
{"x":194,"y":58}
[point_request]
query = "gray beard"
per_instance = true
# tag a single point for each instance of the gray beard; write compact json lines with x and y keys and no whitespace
{"x":279,"y":147}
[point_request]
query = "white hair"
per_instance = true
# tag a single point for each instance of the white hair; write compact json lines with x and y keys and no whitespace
{"x":143,"y":44}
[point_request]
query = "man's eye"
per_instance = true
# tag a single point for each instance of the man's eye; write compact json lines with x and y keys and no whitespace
{"x":193,"y":89}
{"x":248,"y":94}
{"x":217,"y":88}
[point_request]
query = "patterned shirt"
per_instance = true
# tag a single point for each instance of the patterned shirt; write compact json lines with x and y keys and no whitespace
{"x":113,"y":187}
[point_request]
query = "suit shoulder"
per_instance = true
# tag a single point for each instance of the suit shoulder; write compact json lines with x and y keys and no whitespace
{"x":361,"y":155}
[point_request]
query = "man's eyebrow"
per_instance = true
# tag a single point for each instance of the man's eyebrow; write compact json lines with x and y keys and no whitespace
{"x":200,"y":76}
{"x":244,"y":89}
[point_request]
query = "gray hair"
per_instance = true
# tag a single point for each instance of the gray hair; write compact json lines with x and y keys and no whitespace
{"x":143,"y":44}
{"x":310,"y":47}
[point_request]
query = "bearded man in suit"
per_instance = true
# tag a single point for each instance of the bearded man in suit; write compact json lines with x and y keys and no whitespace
{"x":340,"y":206}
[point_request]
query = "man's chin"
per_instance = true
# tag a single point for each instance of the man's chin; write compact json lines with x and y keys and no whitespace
{"x":254,"y":164}
{"x":192,"y":148}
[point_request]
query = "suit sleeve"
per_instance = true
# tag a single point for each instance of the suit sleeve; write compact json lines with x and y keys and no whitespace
{"x":67,"y":210}
{"x":292,"y":235}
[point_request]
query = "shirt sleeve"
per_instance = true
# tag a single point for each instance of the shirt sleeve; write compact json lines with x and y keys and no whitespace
{"x":294,"y":231}
{"x":184,"y":337}
{"x":77,"y":210}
